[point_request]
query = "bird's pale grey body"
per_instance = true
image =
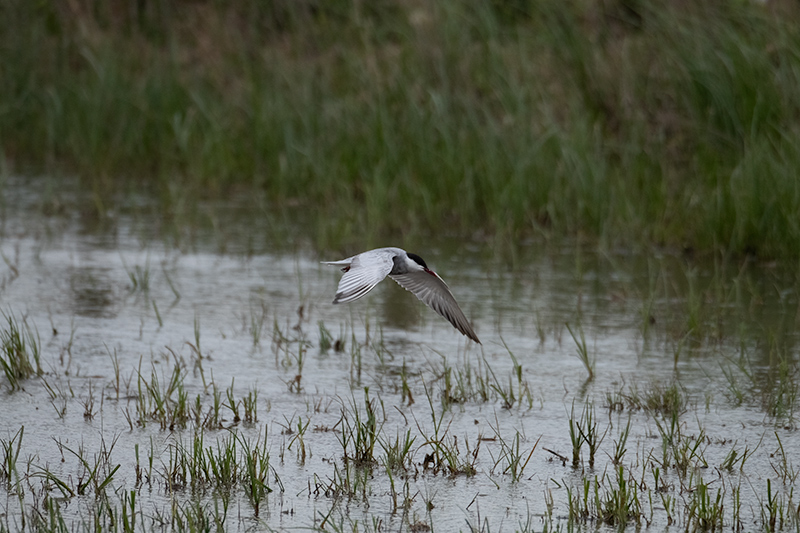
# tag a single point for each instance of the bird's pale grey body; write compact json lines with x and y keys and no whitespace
{"x":365,"y":270}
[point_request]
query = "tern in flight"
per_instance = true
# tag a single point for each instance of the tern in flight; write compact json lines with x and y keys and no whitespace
{"x":365,"y":270}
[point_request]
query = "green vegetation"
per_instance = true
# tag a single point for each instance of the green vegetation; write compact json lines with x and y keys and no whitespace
{"x":19,"y":350}
{"x":657,"y":123}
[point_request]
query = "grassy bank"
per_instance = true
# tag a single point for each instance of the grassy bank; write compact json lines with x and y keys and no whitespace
{"x":663,"y":124}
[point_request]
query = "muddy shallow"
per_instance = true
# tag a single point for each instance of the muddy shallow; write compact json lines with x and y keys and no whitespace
{"x":116,"y":305}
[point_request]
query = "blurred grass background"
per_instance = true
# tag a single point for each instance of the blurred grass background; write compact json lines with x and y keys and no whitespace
{"x":614,"y":122}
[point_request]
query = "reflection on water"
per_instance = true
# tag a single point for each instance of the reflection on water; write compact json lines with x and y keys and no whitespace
{"x":400,"y":308}
{"x":93,"y":293}
{"x":224,"y":312}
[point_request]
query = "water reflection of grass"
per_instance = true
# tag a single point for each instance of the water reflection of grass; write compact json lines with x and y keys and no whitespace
{"x":668,"y":124}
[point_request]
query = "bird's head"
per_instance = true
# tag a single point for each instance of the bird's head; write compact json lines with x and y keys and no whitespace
{"x":417,"y":263}
{"x":418,"y":260}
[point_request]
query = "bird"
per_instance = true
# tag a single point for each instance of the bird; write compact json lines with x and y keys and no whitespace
{"x":365,"y":270}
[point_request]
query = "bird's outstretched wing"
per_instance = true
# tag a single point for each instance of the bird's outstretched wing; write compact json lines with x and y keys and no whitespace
{"x":434,"y":292}
{"x":363,"y":272}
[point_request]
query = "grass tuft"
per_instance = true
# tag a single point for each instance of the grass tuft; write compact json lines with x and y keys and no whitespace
{"x":19,"y":351}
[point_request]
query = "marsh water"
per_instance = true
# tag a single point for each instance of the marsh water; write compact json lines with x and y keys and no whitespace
{"x":698,"y":354}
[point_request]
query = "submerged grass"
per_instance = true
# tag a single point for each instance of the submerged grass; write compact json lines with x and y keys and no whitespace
{"x":664,"y":123}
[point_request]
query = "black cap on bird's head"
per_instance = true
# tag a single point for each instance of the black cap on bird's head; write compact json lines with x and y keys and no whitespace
{"x":417,"y":259}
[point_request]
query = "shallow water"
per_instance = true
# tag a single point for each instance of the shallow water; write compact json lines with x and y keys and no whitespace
{"x":118,"y":301}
